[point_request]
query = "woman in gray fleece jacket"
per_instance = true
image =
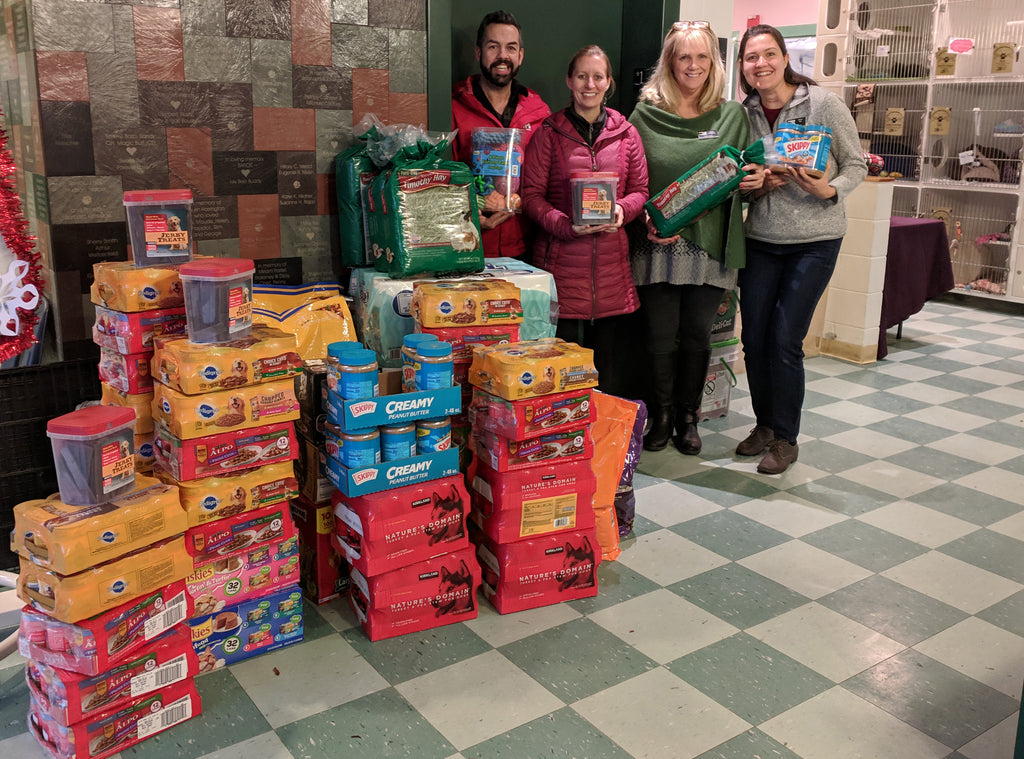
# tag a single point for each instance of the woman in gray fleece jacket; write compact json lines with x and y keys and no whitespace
{"x":795,"y":225}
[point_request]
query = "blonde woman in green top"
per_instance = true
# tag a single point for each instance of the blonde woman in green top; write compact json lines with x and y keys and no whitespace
{"x":682,"y":119}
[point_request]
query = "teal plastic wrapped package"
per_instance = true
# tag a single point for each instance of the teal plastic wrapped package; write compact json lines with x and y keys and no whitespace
{"x":386,"y":319}
{"x":353,"y":172}
{"x":538,"y":295}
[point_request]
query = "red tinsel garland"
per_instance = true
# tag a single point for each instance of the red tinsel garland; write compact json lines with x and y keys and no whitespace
{"x":13,"y":226}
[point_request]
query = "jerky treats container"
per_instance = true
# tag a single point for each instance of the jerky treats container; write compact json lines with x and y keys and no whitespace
{"x":160,"y":226}
{"x":94,"y":454}
{"x":218,"y":299}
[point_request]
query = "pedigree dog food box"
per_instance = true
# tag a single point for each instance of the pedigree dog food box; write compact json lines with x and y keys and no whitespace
{"x":135,"y":332}
{"x":122,"y":286}
{"x":395,"y":528}
{"x":539,"y":571}
{"x":228,"y":495}
{"x":322,"y":568}
{"x":538,"y":367}
{"x":70,"y":539}
{"x":507,"y":455}
{"x":98,"y":644}
{"x":250,"y":628}
{"x":192,"y":416}
{"x":141,"y":404}
{"x":428,"y":594}
{"x":466,"y":302}
{"x":117,"y":728}
{"x":550,"y":498}
{"x":70,"y":697}
{"x":265,"y":355}
{"x":242,"y":533}
{"x":518,"y":420}
{"x":75,"y":597}
{"x":224,"y":453}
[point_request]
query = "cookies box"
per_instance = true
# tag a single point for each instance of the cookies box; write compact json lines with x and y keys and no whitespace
{"x":543,"y":499}
{"x":518,"y":420}
{"x":507,"y":455}
{"x":395,"y":528}
{"x":313,"y":483}
{"x":463,"y":339}
{"x":222,"y":582}
{"x":395,"y":408}
{"x":242,"y":534}
{"x":141,"y":404}
{"x":121,"y":286}
{"x":95,"y":645}
{"x":70,"y":697}
{"x":113,"y":730}
{"x":538,"y":367}
{"x":228,"y":495}
{"x":129,"y":373}
{"x":75,"y":597}
{"x":69,"y":539}
{"x":135,"y":332}
{"x":428,"y":594}
{"x":322,"y":569}
{"x":192,"y":416}
{"x":539,"y":571}
{"x":466,"y":302}
{"x":221,"y":454}
{"x":243,"y":630}
{"x":389,"y":474}
{"x":266,"y":355}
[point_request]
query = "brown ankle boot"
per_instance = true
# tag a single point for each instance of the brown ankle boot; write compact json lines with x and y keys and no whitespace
{"x":759,"y":438}
{"x":781,"y":455}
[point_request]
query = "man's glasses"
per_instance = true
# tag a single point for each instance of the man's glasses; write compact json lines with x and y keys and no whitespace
{"x":682,"y":26}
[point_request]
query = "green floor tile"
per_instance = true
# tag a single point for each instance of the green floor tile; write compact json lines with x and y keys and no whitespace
{"x":999,"y":432}
{"x":983,"y":407}
{"x":891,"y":403}
{"x":965,"y":503}
{"x":935,"y":463}
{"x":729,"y":534}
{"x":615,"y":583}
{"x":989,"y":550}
{"x":738,"y":595}
{"x":831,"y":458}
{"x":1008,"y":365}
{"x":13,"y":706}
{"x":382,"y":724}
{"x":959,"y":384}
{"x":560,"y":735}
{"x":873,"y":378}
{"x":910,"y":430}
{"x":229,"y":717}
{"x":577,"y":659}
{"x":892,"y":609}
{"x":1008,"y":614}
{"x":864,"y":544}
{"x":643,"y":526}
{"x":408,"y":656}
{"x":906,"y":685}
{"x":313,"y":625}
{"x":937,"y":361}
{"x":819,"y":425}
{"x":750,"y":678}
{"x":726,"y":487}
{"x":752,"y":744}
{"x":1014,"y":465}
{"x":842,"y":496}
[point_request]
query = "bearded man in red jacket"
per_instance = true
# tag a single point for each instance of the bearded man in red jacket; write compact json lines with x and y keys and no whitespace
{"x":493,"y":98}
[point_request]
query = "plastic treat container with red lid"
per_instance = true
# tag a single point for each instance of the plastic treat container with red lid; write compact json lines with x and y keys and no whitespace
{"x":218,"y":299}
{"x":160,"y":226}
{"x":94,"y":454}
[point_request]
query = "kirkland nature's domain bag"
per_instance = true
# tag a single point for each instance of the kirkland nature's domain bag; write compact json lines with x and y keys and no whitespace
{"x":708,"y":184}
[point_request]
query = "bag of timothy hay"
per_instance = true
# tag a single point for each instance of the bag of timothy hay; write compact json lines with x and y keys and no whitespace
{"x":707,"y":185}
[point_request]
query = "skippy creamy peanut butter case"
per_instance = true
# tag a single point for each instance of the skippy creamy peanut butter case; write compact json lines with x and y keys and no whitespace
{"x":536,"y":367}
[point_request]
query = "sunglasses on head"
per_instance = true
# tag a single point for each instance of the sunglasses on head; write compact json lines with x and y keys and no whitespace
{"x":681,"y":26}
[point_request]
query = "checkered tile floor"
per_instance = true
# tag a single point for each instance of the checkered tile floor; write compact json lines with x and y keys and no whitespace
{"x":867,"y":603}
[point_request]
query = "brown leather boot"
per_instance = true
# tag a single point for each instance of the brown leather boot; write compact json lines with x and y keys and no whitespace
{"x":760,"y":437}
{"x":781,"y":454}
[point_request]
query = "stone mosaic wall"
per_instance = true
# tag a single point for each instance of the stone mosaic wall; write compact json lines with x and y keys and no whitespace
{"x":245,"y":102}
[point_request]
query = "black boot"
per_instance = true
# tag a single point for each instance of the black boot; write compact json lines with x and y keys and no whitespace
{"x":662,"y":411}
{"x":691,"y":374}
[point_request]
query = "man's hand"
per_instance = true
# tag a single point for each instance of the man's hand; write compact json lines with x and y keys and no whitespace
{"x":496,"y":218}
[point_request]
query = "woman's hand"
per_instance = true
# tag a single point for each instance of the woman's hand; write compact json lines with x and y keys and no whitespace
{"x":816,"y":186}
{"x":494,"y":219}
{"x":652,"y":233}
{"x":594,"y":229}
{"x":754,"y":178}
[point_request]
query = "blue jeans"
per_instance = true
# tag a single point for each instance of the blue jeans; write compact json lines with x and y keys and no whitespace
{"x":779,"y":290}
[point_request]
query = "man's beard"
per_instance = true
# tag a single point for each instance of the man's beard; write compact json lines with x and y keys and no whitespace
{"x":496,"y":80}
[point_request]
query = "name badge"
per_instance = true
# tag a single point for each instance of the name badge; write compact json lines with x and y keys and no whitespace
{"x":802,"y":121}
{"x":710,"y":134}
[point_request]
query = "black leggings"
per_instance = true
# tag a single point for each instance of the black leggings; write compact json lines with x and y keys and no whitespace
{"x":679,"y":317}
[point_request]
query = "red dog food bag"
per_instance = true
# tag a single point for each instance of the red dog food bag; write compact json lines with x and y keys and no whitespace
{"x":540,"y":571}
{"x":428,"y":594}
{"x":384,"y":531}
{"x":510,"y":506}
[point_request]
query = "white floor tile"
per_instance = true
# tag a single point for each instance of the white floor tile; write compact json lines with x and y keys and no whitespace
{"x":922,"y":391}
{"x":989,"y":375}
{"x":957,"y":583}
{"x":804,"y":568}
{"x":891,"y":478}
{"x":662,"y":625}
{"x":998,"y":482}
{"x":829,"y":366}
{"x":969,"y":357}
{"x":996,"y":743}
{"x":948,"y":419}
{"x":907,"y":372}
{"x":657,"y":715}
{"x":1005,"y":395}
{"x":853,"y":413}
{"x":479,"y":698}
{"x":266,"y":746}
{"x":789,"y":514}
{"x":981,"y":651}
{"x":665,"y":557}
{"x":24,"y":746}
{"x":500,"y":629}
{"x":1012,"y":526}
{"x":1010,"y":342}
{"x":826,"y":641}
{"x":314,"y":676}
{"x":870,"y":443}
{"x":838,"y":388}
{"x":977,"y":449}
{"x":667,"y":504}
{"x":918,"y":523}
{"x":837,"y":723}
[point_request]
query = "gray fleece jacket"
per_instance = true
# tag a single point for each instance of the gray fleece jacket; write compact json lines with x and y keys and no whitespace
{"x":789,"y":215}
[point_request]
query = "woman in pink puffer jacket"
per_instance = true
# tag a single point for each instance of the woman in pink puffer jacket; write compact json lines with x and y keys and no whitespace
{"x":590,"y":264}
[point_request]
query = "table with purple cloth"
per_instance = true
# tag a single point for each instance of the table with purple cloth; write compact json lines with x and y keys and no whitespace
{"x":917,"y":269}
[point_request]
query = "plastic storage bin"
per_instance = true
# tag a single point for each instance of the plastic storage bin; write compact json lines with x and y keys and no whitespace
{"x":160,"y":226}
{"x":218,"y":299}
{"x":593,"y":196}
{"x":94,"y":452}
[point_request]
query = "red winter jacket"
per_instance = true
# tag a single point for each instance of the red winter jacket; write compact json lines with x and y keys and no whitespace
{"x":591,"y":272}
{"x":506,"y":239}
